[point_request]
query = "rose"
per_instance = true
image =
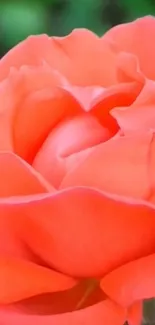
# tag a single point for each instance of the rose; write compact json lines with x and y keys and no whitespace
{"x":76,"y":122}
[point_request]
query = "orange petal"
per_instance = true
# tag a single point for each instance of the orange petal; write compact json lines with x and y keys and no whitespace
{"x":6,"y":116}
{"x":128,"y":68}
{"x":122,"y":165}
{"x":10,"y":243}
{"x":135,"y":313}
{"x":102,"y":231}
{"x":135,"y":38}
{"x":140,"y":115}
{"x":13,"y":92}
{"x":83,"y":50}
{"x":80,"y":296}
{"x":86,"y":95}
{"x":105,"y":312}
{"x":130,"y":84}
{"x":33,"y":51}
{"x":123,"y":94}
{"x":20,"y":279}
{"x":99,"y":101}
{"x":69,"y":138}
{"x":131,"y":282}
{"x":19,"y":178}
{"x":40,"y":106}
{"x":73,"y":55}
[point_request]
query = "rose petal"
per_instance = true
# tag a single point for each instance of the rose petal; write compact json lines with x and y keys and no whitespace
{"x":33,"y":51}
{"x":20,"y":279}
{"x":13,"y":92}
{"x":6,"y":115}
{"x":85,"y":50}
{"x":39,"y":109}
{"x":99,"y":101}
{"x":40,"y":106}
{"x":101,"y":231}
{"x":131,"y":282}
{"x":123,"y":165}
{"x":140,"y":115}
{"x":19,"y":178}
{"x":128,"y":68}
{"x":86,"y":95}
{"x":81,"y":295}
{"x":69,"y":138}
{"x":135,"y":313}
{"x":117,"y":95}
{"x":105,"y":312}
{"x":79,"y":51}
{"x":69,"y":301}
{"x":135,"y":38}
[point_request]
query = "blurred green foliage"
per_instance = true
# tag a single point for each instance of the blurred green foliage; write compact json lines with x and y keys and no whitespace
{"x":20,"y":18}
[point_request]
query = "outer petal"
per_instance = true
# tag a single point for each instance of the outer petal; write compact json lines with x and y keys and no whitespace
{"x":102,"y":231}
{"x":21,"y":279}
{"x":84,"y":50}
{"x":73,"y":55}
{"x":19,"y":178}
{"x":104,"y":312}
{"x":135,"y":38}
{"x":33,"y":52}
{"x":123,"y":165}
{"x":131,"y":282}
{"x":140,"y":115}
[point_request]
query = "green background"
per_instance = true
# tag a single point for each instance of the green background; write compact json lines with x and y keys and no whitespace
{"x":18,"y":19}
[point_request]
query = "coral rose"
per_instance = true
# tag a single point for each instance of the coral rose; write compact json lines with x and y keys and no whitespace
{"x":77,"y":189}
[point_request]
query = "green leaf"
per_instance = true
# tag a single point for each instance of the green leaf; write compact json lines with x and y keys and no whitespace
{"x":21,"y":19}
{"x":138,"y":8}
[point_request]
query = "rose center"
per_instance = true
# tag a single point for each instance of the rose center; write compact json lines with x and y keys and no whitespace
{"x":69,"y":143}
